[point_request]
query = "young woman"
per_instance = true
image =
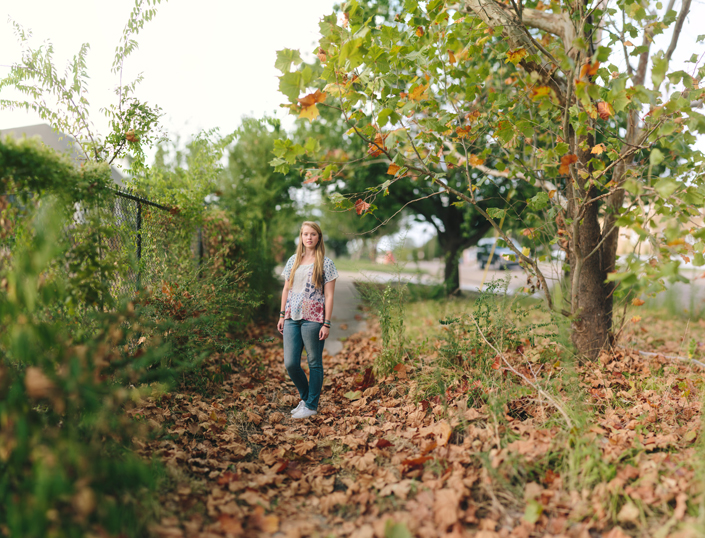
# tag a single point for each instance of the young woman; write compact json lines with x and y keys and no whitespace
{"x":304,"y":320}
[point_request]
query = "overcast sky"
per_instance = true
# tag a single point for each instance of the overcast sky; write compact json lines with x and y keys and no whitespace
{"x":205,"y":63}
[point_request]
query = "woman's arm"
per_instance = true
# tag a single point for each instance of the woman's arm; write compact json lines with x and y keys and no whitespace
{"x":328,"y":291}
{"x":285,"y":295}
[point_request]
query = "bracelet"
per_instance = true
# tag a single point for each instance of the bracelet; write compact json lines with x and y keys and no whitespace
{"x":281,"y":315}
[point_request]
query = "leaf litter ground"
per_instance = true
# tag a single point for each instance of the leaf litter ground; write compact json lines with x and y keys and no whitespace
{"x":380,"y":460}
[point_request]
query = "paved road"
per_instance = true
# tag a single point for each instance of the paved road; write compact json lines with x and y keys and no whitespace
{"x":347,"y":316}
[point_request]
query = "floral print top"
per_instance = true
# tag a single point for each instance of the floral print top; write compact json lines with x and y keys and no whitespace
{"x":304,"y":300}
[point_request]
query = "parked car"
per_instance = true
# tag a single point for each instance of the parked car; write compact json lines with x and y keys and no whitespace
{"x":503,"y":257}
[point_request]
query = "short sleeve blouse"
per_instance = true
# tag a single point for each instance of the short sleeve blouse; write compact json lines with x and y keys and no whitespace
{"x":305,"y":301}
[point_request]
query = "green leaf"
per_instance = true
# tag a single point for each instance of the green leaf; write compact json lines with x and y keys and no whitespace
{"x":533,"y":511}
{"x":285,"y":58}
{"x":666,"y":187}
{"x":538,"y":202}
{"x":396,"y":530}
{"x":353,"y":395}
{"x":656,"y":157}
{"x":496,"y":213}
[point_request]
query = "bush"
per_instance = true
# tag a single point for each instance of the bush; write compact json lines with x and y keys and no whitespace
{"x":65,"y":460}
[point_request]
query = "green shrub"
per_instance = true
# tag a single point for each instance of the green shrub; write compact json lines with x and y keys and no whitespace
{"x":65,"y":461}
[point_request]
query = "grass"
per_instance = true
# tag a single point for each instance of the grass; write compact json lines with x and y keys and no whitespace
{"x":347,"y":264}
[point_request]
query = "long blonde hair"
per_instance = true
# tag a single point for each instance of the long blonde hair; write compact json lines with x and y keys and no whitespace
{"x":317,"y":279}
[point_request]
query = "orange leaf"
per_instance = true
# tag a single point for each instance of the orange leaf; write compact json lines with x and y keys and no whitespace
{"x":312,"y":98}
{"x":312,"y":176}
{"x":420,"y":31}
{"x":419,"y":93}
{"x":230,"y":525}
{"x":429,"y":447}
{"x":637,"y":302}
{"x":551,"y":194}
{"x":605,"y":110}
{"x":496,"y":365}
{"x":629,"y":43}
{"x":598,"y":149}
{"x":375,"y":150}
{"x":566,"y":161}
{"x":393,"y":169}
{"x":361,"y":207}
{"x":475,"y":160}
{"x":130,"y":136}
{"x":416,"y":462}
{"x":322,"y":55}
{"x":462,"y":132}
{"x":451,"y":57}
{"x":589,"y":69}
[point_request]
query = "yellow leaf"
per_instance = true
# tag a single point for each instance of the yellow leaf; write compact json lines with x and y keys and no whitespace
{"x":598,"y":149}
{"x":637,"y":302}
{"x":526,"y":251}
{"x":551,"y":194}
{"x":419,"y":93}
{"x":309,"y":112}
{"x":451,"y":57}
{"x":475,"y":160}
{"x":420,"y":31}
{"x":540,"y":91}
{"x":636,"y":319}
{"x":515,"y":56}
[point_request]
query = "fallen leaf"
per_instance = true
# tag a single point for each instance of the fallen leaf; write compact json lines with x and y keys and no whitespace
{"x":353,"y":395}
{"x":230,"y":525}
{"x":446,"y":507}
{"x":629,"y":513}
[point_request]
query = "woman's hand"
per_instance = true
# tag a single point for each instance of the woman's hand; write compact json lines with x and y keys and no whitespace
{"x":324,"y":332}
{"x":280,"y":325}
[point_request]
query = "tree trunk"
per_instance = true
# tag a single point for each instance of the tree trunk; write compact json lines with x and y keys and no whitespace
{"x":592,"y":324}
{"x":451,"y":272}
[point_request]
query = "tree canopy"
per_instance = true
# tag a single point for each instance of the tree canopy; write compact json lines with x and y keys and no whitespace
{"x":531,"y":93}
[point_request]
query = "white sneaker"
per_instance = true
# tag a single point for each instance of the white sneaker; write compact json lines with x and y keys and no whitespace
{"x":304,"y":412}
{"x":295,"y":409}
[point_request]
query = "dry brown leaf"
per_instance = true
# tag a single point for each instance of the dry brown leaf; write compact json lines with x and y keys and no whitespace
{"x":36,"y":382}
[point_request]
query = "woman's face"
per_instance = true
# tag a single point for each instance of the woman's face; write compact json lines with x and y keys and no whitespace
{"x":309,"y":236}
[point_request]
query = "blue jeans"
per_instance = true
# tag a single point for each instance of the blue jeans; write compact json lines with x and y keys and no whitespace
{"x":297,"y":335}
